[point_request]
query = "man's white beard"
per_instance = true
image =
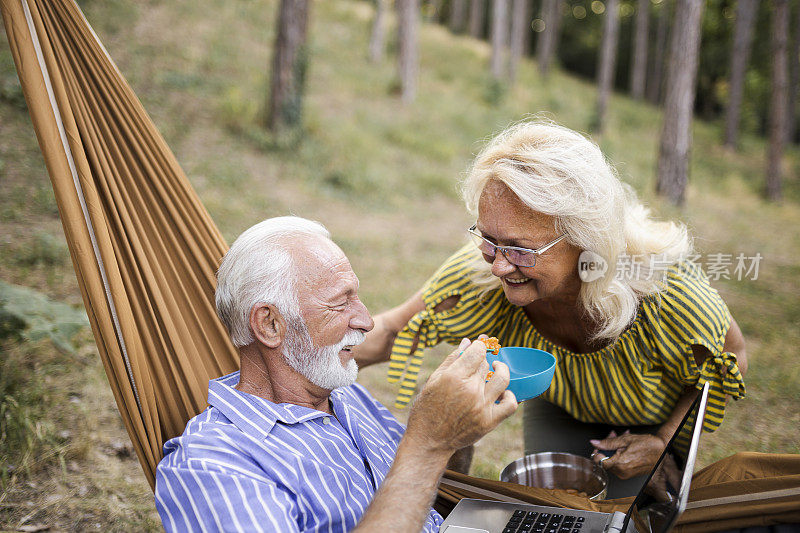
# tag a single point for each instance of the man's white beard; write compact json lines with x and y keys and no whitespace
{"x":321,"y":366}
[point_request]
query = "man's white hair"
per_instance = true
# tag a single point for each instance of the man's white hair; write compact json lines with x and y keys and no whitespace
{"x":558,"y":172}
{"x":258,"y":268}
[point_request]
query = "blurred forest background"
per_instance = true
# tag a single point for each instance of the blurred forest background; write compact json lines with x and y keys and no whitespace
{"x":364,"y":115}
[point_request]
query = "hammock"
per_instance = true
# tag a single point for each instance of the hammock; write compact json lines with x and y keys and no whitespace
{"x":145,"y":252}
{"x":144,"y":249}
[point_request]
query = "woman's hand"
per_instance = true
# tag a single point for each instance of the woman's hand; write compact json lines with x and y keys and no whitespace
{"x":666,"y":481}
{"x":635,"y":453}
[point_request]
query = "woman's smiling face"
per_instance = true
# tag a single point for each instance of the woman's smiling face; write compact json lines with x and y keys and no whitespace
{"x":506,"y":221}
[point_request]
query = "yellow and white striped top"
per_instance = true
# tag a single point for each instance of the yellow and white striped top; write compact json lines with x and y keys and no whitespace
{"x":636,"y":380}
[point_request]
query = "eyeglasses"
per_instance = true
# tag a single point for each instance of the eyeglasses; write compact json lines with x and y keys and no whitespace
{"x":524,"y":257}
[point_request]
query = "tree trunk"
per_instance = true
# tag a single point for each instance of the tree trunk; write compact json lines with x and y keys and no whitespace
{"x":528,"y":37}
{"x":520,"y":26}
{"x":653,"y":85}
{"x":499,"y":59}
{"x":433,"y":11}
{"x":779,"y":98}
{"x":289,"y":62}
{"x":641,"y":33}
{"x":377,"y":41}
{"x":458,"y":15}
{"x":547,"y":42}
{"x":608,"y":61}
{"x":676,"y":135}
{"x":408,"y":60}
{"x":746,"y":12}
{"x":477,"y":17}
{"x":794,"y":79}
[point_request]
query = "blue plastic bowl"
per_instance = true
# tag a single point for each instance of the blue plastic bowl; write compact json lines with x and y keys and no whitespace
{"x":531,"y":370}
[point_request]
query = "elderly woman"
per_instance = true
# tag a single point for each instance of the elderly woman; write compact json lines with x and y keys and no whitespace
{"x":633,"y":344}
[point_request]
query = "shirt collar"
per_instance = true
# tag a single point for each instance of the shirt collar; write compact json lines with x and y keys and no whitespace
{"x":257,"y":416}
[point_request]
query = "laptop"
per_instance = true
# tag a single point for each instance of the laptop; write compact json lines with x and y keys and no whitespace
{"x":657,"y":506}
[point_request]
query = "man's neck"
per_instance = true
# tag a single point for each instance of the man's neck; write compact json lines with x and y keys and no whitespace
{"x":265,"y":373}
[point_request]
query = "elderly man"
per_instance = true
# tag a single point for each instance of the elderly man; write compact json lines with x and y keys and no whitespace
{"x":290,"y":443}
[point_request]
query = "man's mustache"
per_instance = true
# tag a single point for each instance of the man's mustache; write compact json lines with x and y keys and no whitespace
{"x":353,"y":337}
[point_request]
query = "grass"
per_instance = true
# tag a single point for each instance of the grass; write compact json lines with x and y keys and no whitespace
{"x":24,"y":427}
{"x":383,"y":177}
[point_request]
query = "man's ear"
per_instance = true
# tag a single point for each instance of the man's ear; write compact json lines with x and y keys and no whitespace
{"x":267,"y":324}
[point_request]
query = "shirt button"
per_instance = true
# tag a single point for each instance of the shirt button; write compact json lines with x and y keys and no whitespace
{"x":326,"y":420}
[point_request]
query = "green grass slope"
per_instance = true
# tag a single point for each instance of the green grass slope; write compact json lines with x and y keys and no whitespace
{"x":383,"y":177}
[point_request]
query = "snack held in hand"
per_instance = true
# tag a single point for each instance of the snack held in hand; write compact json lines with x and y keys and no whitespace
{"x":492,"y":345}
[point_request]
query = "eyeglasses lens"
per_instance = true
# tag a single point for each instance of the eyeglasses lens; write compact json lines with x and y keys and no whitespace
{"x":524,"y":259}
{"x":515,"y":257}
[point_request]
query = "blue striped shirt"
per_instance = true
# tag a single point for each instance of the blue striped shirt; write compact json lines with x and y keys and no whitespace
{"x":247,"y":464}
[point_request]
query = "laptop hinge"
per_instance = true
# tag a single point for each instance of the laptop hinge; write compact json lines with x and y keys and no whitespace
{"x":615,"y":522}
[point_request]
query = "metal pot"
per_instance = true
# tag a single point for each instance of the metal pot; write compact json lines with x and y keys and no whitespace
{"x":552,"y":470}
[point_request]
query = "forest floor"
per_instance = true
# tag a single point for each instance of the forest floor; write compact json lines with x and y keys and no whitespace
{"x":384,"y":178}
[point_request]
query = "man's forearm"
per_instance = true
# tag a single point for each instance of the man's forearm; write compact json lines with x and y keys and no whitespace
{"x":405,"y":497}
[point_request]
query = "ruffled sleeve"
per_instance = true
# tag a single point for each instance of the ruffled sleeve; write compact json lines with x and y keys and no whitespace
{"x":692,"y":313}
{"x":475,"y":312}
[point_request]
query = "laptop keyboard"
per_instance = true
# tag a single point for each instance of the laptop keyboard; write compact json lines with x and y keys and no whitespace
{"x":532,"y":522}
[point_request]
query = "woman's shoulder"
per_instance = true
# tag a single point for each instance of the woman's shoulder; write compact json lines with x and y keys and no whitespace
{"x":457,"y":301}
{"x":687,"y":306}
{"x":456,"y":276}
{"x":687,"y":283}
{"x":457,"y":267}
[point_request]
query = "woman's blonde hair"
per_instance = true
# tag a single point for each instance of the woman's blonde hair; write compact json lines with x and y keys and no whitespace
{"x":559,"y":172}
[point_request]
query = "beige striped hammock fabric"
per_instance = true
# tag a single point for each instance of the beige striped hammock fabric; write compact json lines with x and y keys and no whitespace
{"x":145,"y":252}
{"x":144,"y":248}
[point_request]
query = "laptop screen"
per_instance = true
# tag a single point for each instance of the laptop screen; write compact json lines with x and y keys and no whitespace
{"x":666,"y":491}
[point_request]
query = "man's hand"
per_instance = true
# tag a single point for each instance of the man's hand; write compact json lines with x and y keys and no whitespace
{"x":635,"y":454}
{"x":458,"y":406}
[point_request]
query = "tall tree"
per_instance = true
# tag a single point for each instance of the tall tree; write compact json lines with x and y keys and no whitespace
{"x":477,"y":18}
{"x":794,"y":79}
{"x":289,"y":62}
{"x":407,"y":52}
{"x":458,"y":15}
{"x":433,"y":11}
{"x":746,"y":12}
{"x":780,"y":97}
{"x":654,"y":82}
{"x":608,"y":61}
{"x":377,"y":41}
{"x":547,"y":43}
{"x":676,"y":134}
{"x":527,"y":41}
{"x":520,"y":26}
{"x":499,"y":59}
{"x":640,"y":36}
